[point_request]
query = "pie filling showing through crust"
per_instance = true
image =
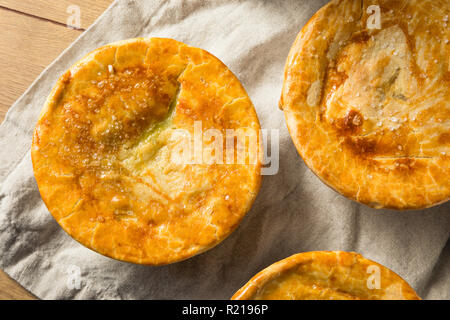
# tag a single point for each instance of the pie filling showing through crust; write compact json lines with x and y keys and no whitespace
{"x":326,"y":275}
{"x":104,"y":148}
{"x":368,"y":107}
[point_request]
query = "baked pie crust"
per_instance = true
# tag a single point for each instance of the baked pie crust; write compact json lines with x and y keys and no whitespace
{"x":368,"y":109}
{"x":326,"y":275}
{"x":105,"y":151}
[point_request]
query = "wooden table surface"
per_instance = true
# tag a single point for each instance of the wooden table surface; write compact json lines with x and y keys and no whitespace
{"x":33,"y":33}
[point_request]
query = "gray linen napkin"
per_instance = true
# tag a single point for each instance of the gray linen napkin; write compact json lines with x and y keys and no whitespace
{"x":294,"y":211}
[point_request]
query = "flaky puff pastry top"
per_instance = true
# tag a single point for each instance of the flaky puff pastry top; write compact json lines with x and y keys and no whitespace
{"x":326,"y":275}
{"x":105,"y":151}
{"x":367,"y":105}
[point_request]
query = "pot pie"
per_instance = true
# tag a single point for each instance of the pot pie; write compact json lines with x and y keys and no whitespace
{"x":106,"y":144}
{"x":366,"y":101}
{"x":326,"y":275}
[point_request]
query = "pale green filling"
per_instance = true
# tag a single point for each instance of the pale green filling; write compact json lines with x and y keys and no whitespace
{"x":150,"y":142}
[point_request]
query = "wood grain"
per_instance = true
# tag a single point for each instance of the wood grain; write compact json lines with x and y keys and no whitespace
{"x":9,"y":289}
{"x":33,"y":34}
{"x":27,"y":46}
{"x":59,"y":10}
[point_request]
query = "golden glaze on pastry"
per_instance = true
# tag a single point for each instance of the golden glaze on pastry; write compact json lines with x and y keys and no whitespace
{"x":368,"y":109}
{"x":326,"y":275}
{"x":102,"y":151}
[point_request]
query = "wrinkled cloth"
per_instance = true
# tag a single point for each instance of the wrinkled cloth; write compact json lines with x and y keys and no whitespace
{"x":294,"y":211}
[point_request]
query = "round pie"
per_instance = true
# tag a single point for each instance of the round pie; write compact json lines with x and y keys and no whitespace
{"x":326,"y":275}
{"x":366,"y":97}
{"x":112,"y":151}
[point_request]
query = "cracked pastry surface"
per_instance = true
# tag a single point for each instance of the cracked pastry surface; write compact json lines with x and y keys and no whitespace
{"x":368,"y":109}
{"x":106,"y":145}
{"x":326,"y":275}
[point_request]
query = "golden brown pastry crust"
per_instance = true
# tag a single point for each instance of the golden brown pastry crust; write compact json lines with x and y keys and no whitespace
{"x":325,"y":275}
{"x":103,"y":145}
{"x":368,"y":109}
